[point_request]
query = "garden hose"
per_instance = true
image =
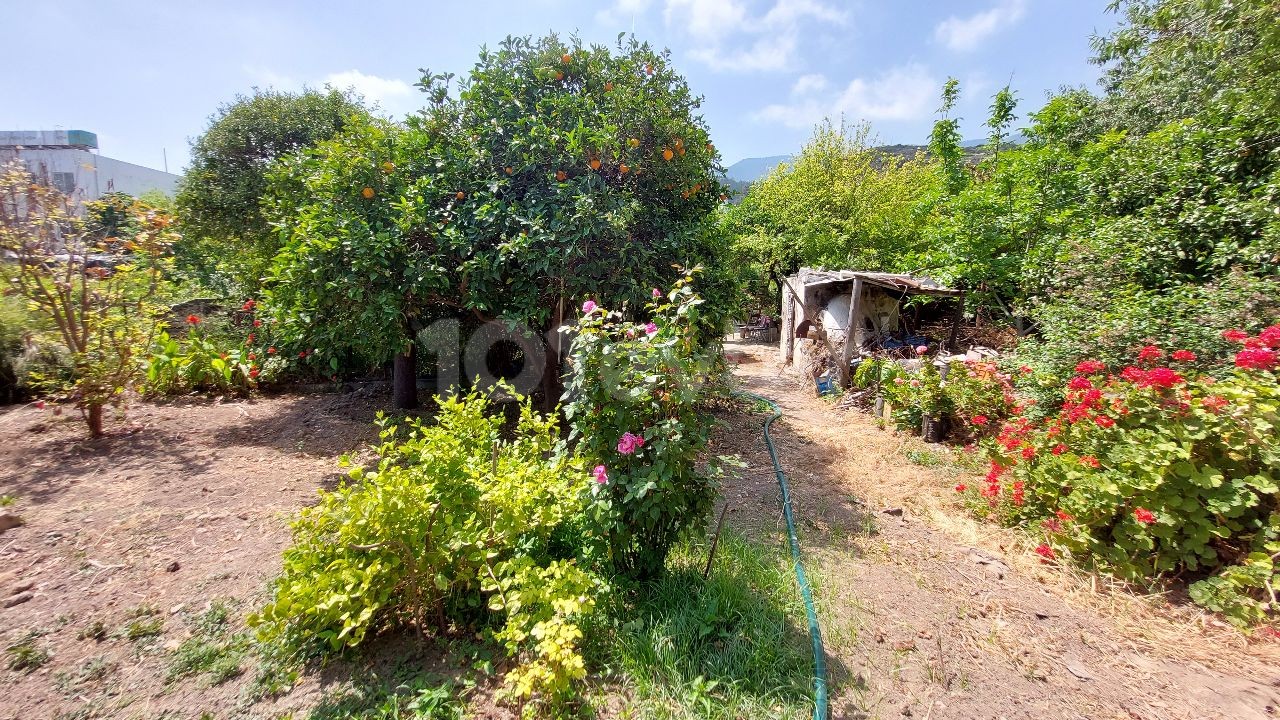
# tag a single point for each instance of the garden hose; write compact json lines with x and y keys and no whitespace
{"x":815,"y":633}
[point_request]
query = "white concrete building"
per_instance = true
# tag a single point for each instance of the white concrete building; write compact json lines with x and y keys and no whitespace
{"x":66,"y":160}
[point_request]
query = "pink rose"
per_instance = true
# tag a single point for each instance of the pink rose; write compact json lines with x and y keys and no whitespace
{"x":922,"y":349}
{"x":657,"y":293}
{"x":600,"y":475}
{"x":651,"y":328}
{"x":588,"y":307}
{"x":629,"y":443}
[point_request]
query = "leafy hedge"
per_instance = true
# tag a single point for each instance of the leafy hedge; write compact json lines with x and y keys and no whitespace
{"x":1155,"y":469}
{"x":455,"y":525}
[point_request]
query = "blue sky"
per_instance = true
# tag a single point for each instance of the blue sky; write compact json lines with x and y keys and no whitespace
{"x":146,"y":76}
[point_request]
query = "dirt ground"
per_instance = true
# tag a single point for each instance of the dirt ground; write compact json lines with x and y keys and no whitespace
{"x":927,"y":614}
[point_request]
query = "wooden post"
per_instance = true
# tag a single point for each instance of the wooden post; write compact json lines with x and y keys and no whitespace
{"x":955,"y":323}
{"x":850,"y":333}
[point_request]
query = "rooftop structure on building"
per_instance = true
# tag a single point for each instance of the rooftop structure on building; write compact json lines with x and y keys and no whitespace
{"x":68,"y":160}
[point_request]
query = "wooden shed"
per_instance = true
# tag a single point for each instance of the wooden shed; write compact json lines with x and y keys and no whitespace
{"x":830,"y":307}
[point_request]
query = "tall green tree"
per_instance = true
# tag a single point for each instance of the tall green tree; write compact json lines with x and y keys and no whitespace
{"x":227,"y":240}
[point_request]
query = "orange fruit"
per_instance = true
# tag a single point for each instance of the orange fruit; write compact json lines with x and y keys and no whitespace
{"x":648,"y":68}
{"x":560,"y":175}
{"x":559,"y":76}
{"x":679,"y":142}
{"x":388,"y":167}
{"x":667,"y":154}
{"x":623,"y":168}
{"x":507,"y":169}
{"x":608,"y":87}
{"x":461,"y":195}
{"x":367,"y":193}
{"x":595,"y":164}
{"x":680,"y":150}
{"x":566,"y":58}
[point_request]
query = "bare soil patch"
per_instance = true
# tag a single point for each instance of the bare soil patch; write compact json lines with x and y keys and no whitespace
{"x":934,"y":615}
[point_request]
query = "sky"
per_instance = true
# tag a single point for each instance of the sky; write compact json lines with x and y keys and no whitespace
{"x":147,"y":76}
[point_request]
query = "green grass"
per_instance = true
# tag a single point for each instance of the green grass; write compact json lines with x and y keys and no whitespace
{"x":142,"y":623}
{"x":732,"y":646}
{"x":211,"y":650}
{"x":26,"y":656}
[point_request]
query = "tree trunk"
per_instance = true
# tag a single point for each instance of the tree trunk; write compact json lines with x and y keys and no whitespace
{"x":552,"y":387}
{"x":93,"y":417}
{"x":404,"y":378}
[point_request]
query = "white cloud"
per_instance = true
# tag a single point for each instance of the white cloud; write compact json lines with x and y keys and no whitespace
{"x":623,"y":11}
{"x":963,"y":34}
{"x":725,"y":36}
{"x":391,"y":94}
{"x":808,"y":84}
{"x":901,"y":93}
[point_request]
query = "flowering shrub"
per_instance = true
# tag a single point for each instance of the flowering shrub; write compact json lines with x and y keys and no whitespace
{"x":981,"y":395}
{"x":1157,"y":469}
{"x":634,"y":408}
{"x":454,"y":518}
{"x":197,"y":362}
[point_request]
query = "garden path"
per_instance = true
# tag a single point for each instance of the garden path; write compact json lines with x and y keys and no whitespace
{"x":932,"y":614}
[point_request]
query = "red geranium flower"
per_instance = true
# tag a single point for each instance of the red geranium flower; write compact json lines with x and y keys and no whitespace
{"x":1052,"y":525}
{"x":248,"y":306}
{"x":1235,"y":335}
{"x":980,"y":420}
{"x":1089,"y":367}
{"x":1183,"y":355}
{"x":1080,"y":382}
{"x":1144,"y":516}
{"x":1028,"y":452}
{"x":1104,"y":421}
{"x":302,"y":353}
{"x":1045,"y":552}
{"x":1090,"y":460}
{"x":193,"y":320}
{"x":257,"y":323}
{"x":253,"y":373}
{"x":1064,"y":515}
{"x":1214,"y":403}
{"x":1256,"y":359}
{"x":1271,"y":336}
{"x":1150,"y":352}
{"x":1133,"y":374}
{"x":1059,"y":449}
{"x":271,"y":350}
{"x":961,"y":487}
{"x":1161,"y":377}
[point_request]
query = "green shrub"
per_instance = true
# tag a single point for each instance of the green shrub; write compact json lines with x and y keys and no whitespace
{"x":1156,"y":470}
{"x":457,"y":518}
{"x":634,"y":407}
{"x":199,"y":362}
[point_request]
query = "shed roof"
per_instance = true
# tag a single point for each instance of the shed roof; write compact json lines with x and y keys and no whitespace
{"x":905,"y":284}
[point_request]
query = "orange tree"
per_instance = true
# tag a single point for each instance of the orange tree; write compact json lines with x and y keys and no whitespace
{"x":587,"y":173}
{"x":557,"y":172}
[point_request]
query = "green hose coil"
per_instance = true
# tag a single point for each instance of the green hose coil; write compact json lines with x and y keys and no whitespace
{"x":815,"y":633}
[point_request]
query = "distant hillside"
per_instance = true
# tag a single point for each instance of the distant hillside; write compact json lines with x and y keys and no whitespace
{"x":752,"y":169}
{"x":748,"y":170}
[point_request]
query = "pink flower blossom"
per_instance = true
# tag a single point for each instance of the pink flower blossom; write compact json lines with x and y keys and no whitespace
{"x":650,"y":328}
{"x":588,"y":307}
{"x":600,"y":475}
{"x":922,"y":349}
{"x":1271,"y":336}
{"x":629,"y":443}
{"x":657,"y":293}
